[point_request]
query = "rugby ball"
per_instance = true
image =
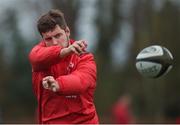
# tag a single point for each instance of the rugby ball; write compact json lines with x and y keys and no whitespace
{"x":154,"y":61}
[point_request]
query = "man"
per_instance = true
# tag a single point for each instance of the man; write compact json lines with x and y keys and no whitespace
{"x":63,"y":74}
{"x":122,"y":112}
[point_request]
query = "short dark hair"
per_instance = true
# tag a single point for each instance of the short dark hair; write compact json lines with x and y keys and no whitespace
{"x":49,"y":20}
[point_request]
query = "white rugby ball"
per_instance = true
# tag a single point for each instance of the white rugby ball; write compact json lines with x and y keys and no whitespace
{"x":154,"y":61}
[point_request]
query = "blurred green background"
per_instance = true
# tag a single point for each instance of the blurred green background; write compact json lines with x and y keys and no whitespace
{"x":116,"y":30}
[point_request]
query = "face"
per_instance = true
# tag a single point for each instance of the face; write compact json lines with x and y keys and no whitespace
{"x":57,"y":37}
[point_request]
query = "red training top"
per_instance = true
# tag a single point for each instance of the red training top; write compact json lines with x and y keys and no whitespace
{"x":76,"y":76}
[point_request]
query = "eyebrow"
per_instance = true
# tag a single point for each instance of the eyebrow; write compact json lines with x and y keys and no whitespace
{"x":48,"y":38}
{"x":53,"y":36}
{"x":58,"y":34}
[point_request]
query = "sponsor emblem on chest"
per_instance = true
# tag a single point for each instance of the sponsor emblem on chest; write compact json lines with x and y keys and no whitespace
{"x":71,"y":96}
{"x":70,"y":67}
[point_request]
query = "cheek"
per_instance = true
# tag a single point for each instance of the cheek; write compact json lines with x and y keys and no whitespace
{"x":63,"y":43}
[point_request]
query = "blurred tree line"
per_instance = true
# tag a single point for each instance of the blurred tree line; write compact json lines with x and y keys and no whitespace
{"x":152,"y":98}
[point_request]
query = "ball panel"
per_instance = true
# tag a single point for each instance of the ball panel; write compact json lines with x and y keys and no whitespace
{"x":168,"y":69}
{"x":169,"y":53}
{"x":164,"y":70}
{"x":167,"y":56}
{"x":151,"y":51}
{"x":149,"y":69}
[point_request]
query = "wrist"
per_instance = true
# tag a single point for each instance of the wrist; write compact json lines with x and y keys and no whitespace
{"x":64,"y":52}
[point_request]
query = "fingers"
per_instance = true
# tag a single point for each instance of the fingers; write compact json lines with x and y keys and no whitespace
{"x":73,"y":49}
{"x":45,"y":84}
{"x":54,"y":87}
{"x":50,"y":83}
{"x":47,"y":78}
{"x":82,"y":44}
{"x":79,"y":47}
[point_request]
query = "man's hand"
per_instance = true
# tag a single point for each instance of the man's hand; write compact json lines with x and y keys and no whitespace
{"x":78,"y":47}
{"x":50,"y":83}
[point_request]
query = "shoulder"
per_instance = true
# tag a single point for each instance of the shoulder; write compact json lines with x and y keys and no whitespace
{"x":40,"y":44}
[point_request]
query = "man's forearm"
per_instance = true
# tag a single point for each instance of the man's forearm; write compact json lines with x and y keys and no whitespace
{"x":42,"y":57}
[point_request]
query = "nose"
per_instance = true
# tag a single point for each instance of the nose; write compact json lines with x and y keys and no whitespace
{"x":54,"y":41}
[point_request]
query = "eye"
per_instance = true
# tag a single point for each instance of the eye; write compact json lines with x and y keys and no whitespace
{"x":57,"y":35}
{"x":48,"y":39}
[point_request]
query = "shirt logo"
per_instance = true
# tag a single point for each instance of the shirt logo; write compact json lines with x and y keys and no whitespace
{"x":70,"y":67}
{"x":71,"y":96}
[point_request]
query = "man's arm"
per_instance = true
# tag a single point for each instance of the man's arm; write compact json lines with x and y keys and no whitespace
{"x":43,"y":57}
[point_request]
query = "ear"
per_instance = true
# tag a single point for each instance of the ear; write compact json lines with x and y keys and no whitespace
{"x":67,"y":31}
